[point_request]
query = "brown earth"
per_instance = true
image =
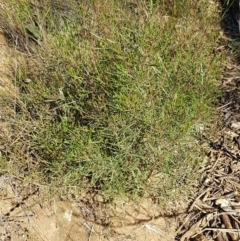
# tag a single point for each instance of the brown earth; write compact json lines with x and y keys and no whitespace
{"x":25,"y":215}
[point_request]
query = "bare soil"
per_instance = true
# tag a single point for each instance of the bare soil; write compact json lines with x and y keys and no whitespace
{"x":26,"y":215}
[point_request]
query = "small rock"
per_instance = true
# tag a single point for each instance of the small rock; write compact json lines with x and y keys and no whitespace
{"x":99,"y":198}
{"x":235,"y":125}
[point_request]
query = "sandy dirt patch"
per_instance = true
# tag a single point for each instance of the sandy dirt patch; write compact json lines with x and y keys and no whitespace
{"x":27,"y":215}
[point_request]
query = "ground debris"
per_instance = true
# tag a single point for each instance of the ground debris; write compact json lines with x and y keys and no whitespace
{"x":214,"y":214}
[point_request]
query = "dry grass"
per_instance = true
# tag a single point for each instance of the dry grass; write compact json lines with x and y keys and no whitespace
{"x":111,"y":94}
